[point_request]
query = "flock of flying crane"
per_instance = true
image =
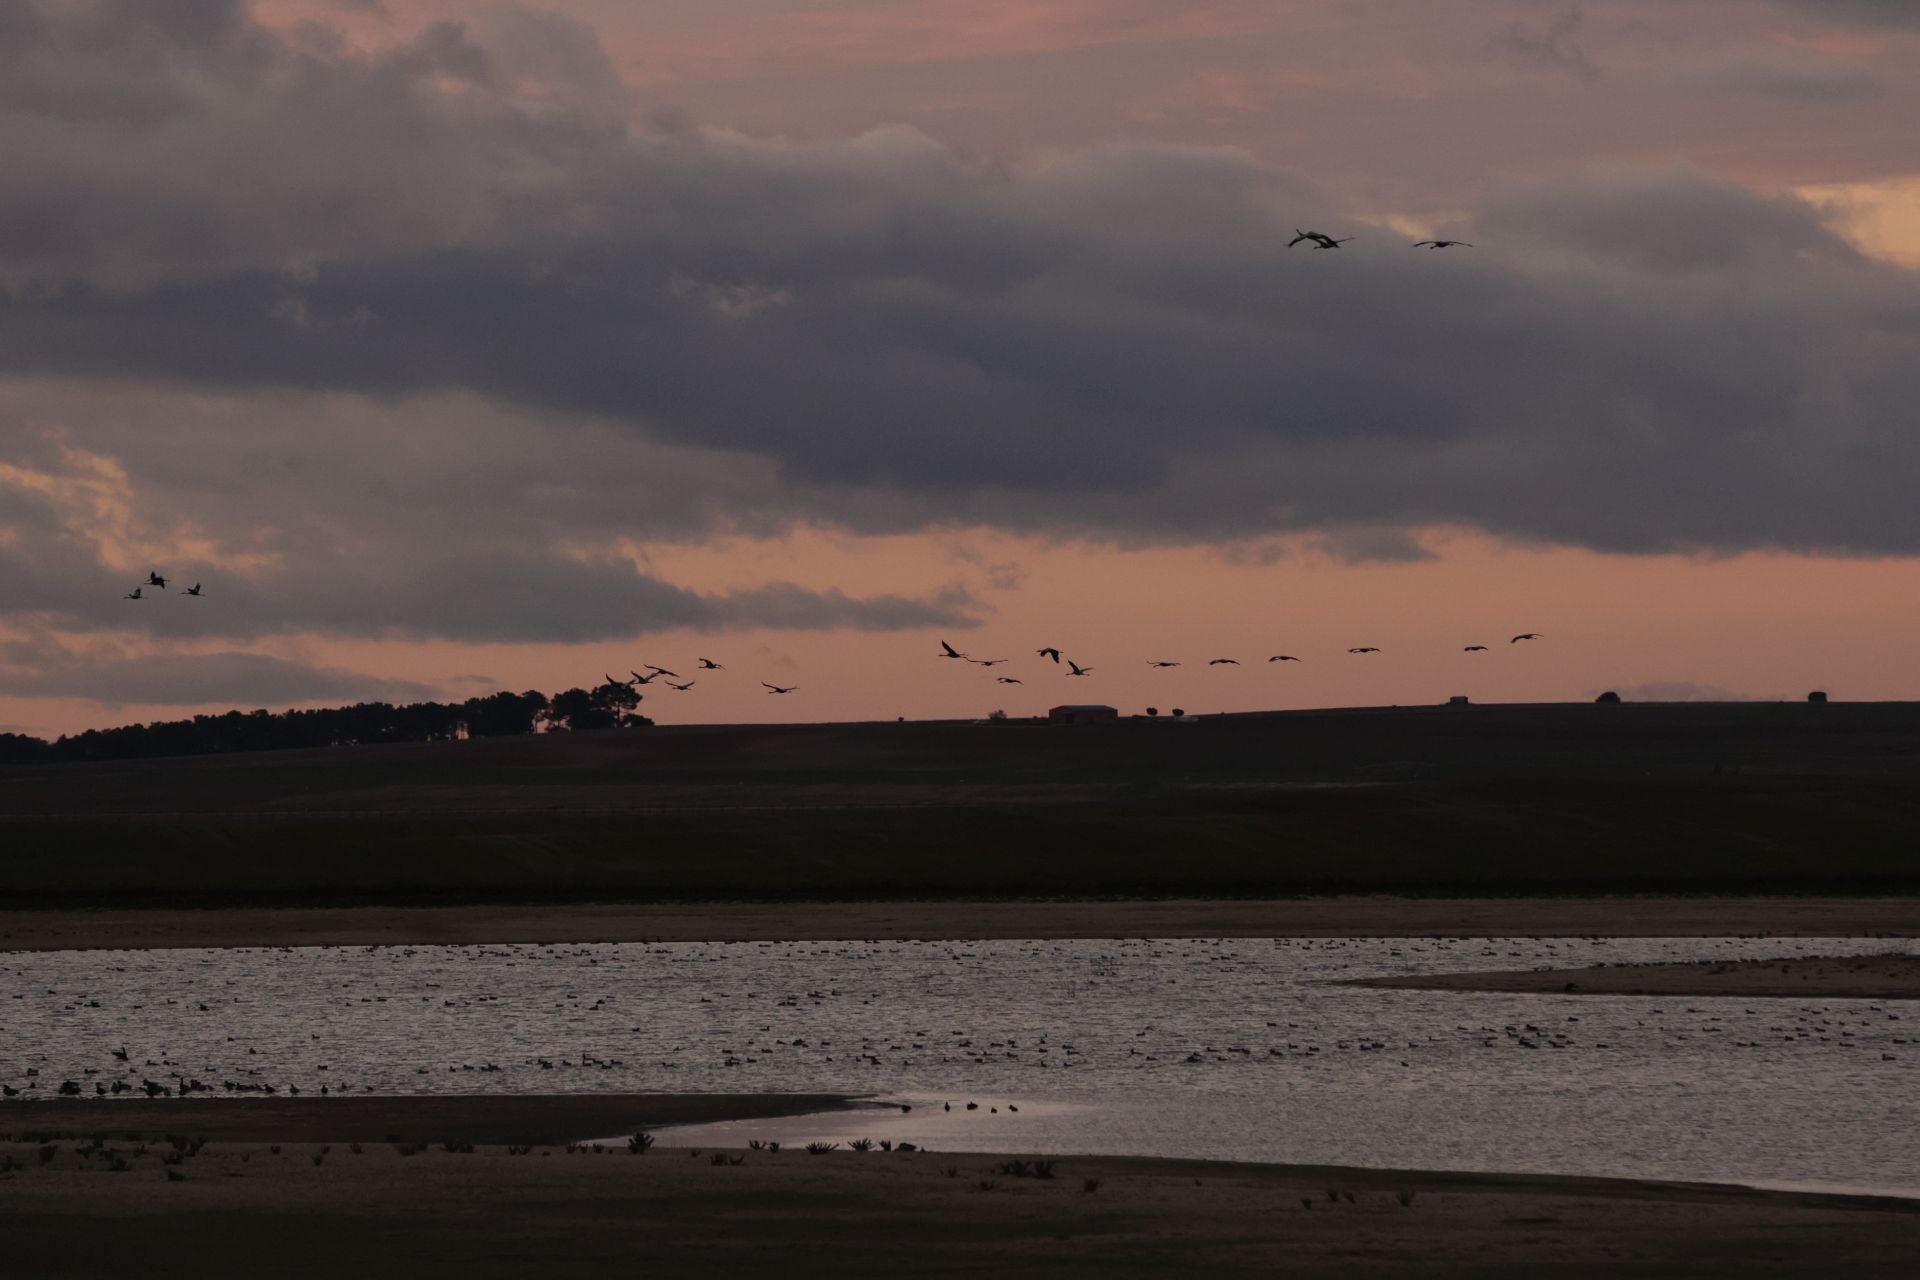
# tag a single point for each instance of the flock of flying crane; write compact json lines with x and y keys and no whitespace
{"x":667,"y":678}
{"x":155,"y":580}
{"x":680,"y":684}
{"x":1075,"y":669}
{"x":1322,"y":241}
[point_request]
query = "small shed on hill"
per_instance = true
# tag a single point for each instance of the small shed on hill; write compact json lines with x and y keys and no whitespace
{"x":1082,"y":713}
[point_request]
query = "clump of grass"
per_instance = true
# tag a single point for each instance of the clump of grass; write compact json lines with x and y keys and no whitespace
{"x":886,"y":1144}
{"x":754,"y":1144}
{"x":861,"y":1144}
{"x":773,"y":1146}
{"x":404,"y":1148}
{"x":520,"y":1150}
{"x":1089,"y":1185}
{"x":174,"y":1175}
{"x":355,"y":1147}
{"x":1333,"y":1196}
{"x":319,"y":1157}
{"x":1027,"y":1168}
{"x":1405,"y":1197}
{"x":47,"y":1152}
{"x":988,"y":1184}
{"x":820,"y":1148}
{"x":722,"y":1158}
{"x":639,"y":1143}
{"x":457,"y":1148}
{"x":952,"y":1171}
{"x":274,"y":1149}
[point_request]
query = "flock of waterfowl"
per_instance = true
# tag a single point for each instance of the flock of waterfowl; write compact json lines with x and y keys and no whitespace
{"x":1162,"y":664}
{"x":922,"y":1018}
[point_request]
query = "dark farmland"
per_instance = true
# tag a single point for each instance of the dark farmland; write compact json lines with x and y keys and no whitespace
{"x":1541,"y":799}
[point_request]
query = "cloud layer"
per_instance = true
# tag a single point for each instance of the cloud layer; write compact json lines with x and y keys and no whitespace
{"x":425,"y":341}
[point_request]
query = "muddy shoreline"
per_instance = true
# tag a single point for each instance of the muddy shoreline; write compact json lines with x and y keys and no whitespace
{"x":1345,"y":916}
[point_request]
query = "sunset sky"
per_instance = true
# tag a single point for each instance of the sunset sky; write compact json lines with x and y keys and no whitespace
{"x":463,"y":346}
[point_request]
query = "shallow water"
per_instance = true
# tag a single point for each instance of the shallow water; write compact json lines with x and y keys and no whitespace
{"x":1233,"y":1049}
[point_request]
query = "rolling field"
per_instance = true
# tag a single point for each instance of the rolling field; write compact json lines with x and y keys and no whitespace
{"x":1727,"y":798}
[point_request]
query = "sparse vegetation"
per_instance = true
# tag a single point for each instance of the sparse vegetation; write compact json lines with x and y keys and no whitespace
{"x":639,"y":1143}
{"x":1089,"y":1185}
{"x":820,"y":1148}
{"x":1405,"y":1197}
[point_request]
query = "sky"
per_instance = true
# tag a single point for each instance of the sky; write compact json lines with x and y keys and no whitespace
{"x":463,"y":346}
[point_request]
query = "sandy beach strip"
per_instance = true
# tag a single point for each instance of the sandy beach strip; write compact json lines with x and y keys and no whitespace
{"x":1353,"y":916}
{"x":233,"y":1209}
{"x":1882,"y":976}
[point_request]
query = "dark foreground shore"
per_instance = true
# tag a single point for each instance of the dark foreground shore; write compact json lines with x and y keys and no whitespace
{"x":310,"y":1209}
{"x":1863,"y":977}
{"x":1352,"y":916}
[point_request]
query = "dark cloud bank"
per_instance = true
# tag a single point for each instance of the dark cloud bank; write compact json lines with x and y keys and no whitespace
{"x":567,"y":332}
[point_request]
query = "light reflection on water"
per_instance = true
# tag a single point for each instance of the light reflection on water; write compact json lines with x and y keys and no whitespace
{"x":1234,"y":1049}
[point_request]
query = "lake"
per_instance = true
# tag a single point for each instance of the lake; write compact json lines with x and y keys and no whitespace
{"x":1239,"y":1049}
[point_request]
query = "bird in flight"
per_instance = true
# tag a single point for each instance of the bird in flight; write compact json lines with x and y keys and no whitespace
{"x":1442,"y":244}
{"x":155,"y":580}
{"x":662,"y":671}
{"x":708,"y":664}
{"x":132,"y":595}
{"x":640,"y":679}
{"x":1050,"y":653}
{"x":1223,"y":662}
{"x":1364,"y":648}
{"x":1475,"y":648}
{"x":628,"y":683}
{"x":987,"y":662}
{"x":194,"y":590}
{"x":774,"y":688}
{"x":1152,"y":663}
{"x":1319,"y":240}
{"x":1525,"y":635}
{"x":952,"y":652}
{"x":1078,"y":670}
{"x":682,"y":687}
{"x":1009,"y":680}
{"x":1283,"y":657}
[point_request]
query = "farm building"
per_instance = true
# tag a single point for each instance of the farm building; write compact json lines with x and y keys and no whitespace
{"x":1082,"y":713}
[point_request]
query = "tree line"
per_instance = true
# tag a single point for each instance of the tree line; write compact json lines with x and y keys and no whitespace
{"x":503,"y":714}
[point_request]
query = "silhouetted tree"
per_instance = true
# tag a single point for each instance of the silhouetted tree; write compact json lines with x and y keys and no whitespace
{"x":495,"y":715}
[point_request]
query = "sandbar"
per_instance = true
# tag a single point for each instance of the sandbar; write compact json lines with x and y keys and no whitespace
{"x":1879,"y":976}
